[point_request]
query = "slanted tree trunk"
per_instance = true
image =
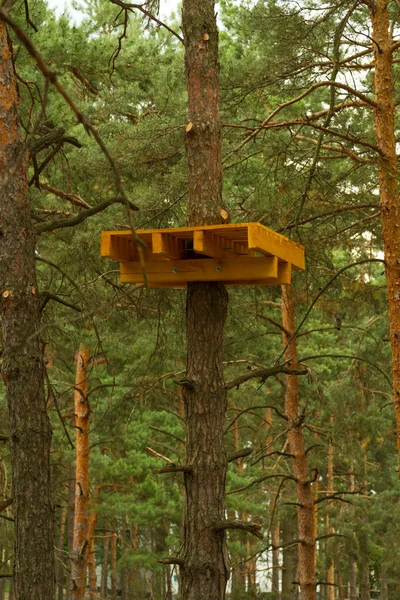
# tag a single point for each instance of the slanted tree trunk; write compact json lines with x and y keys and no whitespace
{"x":81,"y":517}
{"x":388,"y":180}
{"x":205,"y":568}
{"x":305,"y":508}
{"x":22,"y":360}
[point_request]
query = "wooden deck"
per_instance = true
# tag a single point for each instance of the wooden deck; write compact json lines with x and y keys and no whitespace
{"x":238,"y":254}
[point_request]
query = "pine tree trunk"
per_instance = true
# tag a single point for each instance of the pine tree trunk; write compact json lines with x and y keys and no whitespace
{"x":205,"y":570}
{"x":275,"y":528}
{"x":104,"y":569}
{"x":289,"y":558}
{"x":71,"y":514}
{"x":60,"y":567}
{"x":92,"y":557}
{"x":113,"y":566}
{"x":81,"y":517}
{"x":330,"y":529}
{"x":388,"y":181}
{"x":384,"y":595}
{"x":353,"y":595}
{"x":305,"y":510}
{"x":22,"y":360}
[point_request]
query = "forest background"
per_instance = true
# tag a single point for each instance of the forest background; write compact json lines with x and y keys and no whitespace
{"x":305,"y":168}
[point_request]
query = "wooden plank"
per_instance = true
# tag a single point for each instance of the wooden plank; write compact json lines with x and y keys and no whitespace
{"x":206,"y":243}
{"x":167,"y":246}
{"x":202,"y":269}
{"x":117,"y":248}
{"x":268,"y":242}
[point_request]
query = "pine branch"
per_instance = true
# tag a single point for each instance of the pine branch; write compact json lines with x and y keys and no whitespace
{"x":172,"y":560}
{"x":240,"y":454}
{"x":263,"y":374}
{"x":94,"y":210}
{"x":5,"y":504}
{"x":260,"y":480}
{"x":253,"y":528}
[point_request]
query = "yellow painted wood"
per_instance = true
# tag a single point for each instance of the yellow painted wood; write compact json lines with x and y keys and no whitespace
{"x":203,"y":269}
{"x":264,"y":240}
{"x":166,"y":246}
{"x":204,"y":242}
{"x":233,"y":255}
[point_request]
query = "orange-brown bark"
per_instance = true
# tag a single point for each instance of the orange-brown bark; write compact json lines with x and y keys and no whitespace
{"x":81,"y":517}
{"x":305,"y":508}
{"x":388,"y":180}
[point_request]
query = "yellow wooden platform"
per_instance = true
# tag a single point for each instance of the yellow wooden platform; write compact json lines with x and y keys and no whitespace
{"x":238,"y":254}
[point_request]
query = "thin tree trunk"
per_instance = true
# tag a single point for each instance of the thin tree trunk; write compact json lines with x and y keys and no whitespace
{"x":60,"y":566}
{"x":133,"y":573}
{"x":92,"y":557}
{"x":22,"y":360}
{"x":388,"y":180}
{"x":365,"y":586}
{"x":289,"y":558}
{"x":71,"y":513}
{"x":104,"y":568}
{"x":81,"y":520}
{"x":205,"y":569}
{"x":384,"y":595}
{"x":124,"y":569}
{"x":305,"y":509}
{"x":330,"y":529}
{"x":275,"y":528}
{"x":113,"y":566}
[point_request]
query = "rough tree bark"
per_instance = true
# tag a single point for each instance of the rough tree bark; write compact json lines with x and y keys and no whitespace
{"x":205,"y":569}
{"x":305,"y":508}
{"x":388,"y":180}
{"x":81,"y":516}
{"x":23,"y":367}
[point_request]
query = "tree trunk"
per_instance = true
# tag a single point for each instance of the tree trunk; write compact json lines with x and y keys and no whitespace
{"x":275,"y":527}
{"x":92,"y":557}
{"x":353,"y":595}
{"x":104,"y":569}
{"x":124,"y":570}
{"x":384,"y":595}
{"x":388,"y":180}
{"x":22,"y":360}
{"x":113,"y":566}
{"x":330,"y":529}
{"x":205,"y":569}
{"x":81,"y":520}
{"x":305,"y":509}
{"x":289,"y":558}
{"x":60,"y":567}
{"x":71,"y":512}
